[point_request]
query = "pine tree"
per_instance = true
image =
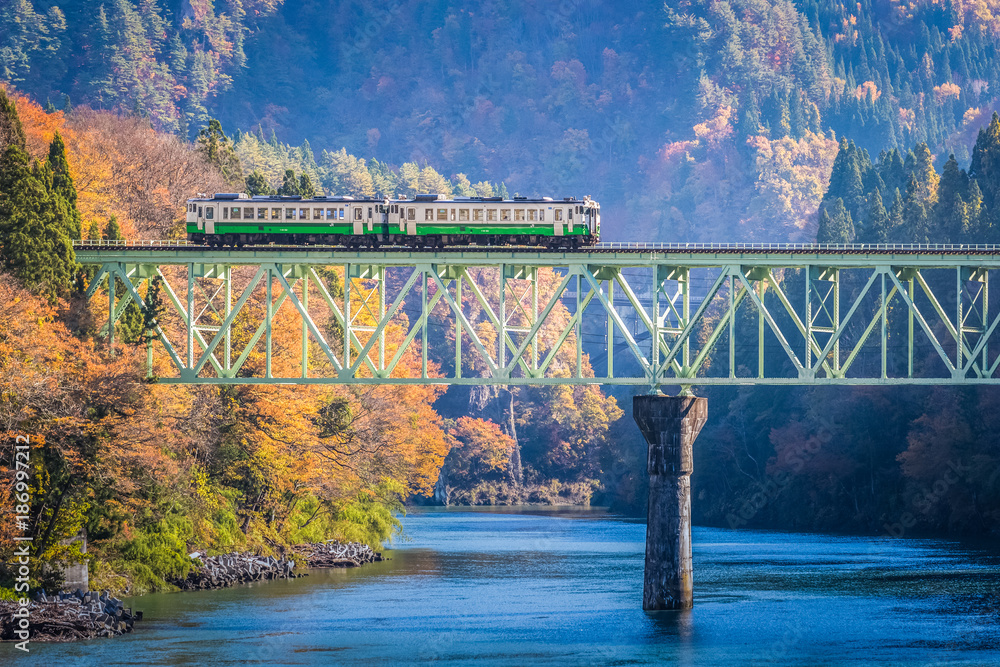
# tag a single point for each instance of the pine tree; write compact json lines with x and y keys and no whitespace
{"x":952,"y":188}
{"x":258,"y":185}
{"x":290,"y":186}
{"x":897,"y":227}
{"x":876,"y":228}
{"x":218,"y":150}
{"x":915,"y":217}
{"x":502,"y":192}
{"x":11,"y":130}
{"x":985,"y":169}
{"x":835,"y":224}
{"x":63,"y":186}
{"x":34,"y":245}
{"x":112,"y":232}
{"x":306,"y":187}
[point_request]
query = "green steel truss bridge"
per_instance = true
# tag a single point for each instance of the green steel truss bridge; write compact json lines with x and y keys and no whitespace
{"x":648,"y":314}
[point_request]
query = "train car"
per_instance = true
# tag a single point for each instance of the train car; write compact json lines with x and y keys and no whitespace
{"x":426,"y":221}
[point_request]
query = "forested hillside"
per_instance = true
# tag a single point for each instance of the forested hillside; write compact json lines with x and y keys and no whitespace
{"x":724,"y":113}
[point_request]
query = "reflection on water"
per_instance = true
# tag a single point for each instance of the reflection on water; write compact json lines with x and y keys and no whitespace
{"x":564,"y":587}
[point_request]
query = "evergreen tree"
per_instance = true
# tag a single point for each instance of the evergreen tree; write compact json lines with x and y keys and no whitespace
{"x":290,"y":186}
{"x":915,"y":217}
{"x":306,"y":187}
{"x":11,"y":130}
{"x":34,"y":245}
{"x":835,"y":224}
{"x":897,"y":227}
{"x":952,"y":188}
{"x":877,"y":224}
{"x":63,"y":186}
{"x":985,"y":168}
{"x":218,"y":150}
{"x":258,"y":185}
{"x":502,"y":192}
{"x":846,"y":181}
{"x":112,"y":232}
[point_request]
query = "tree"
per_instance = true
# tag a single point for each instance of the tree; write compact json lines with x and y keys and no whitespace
{"x":876,"y":228}
{"x":11,"y":129}
{"x":502,"y":192}
{"x":835,"y":224}
{"x":218,"y":150}
{"x":34,"y":243}
{"x":62,"y":185}
{"x":112,"y":232}
{"x":952,"y":189}
{"x":258,"y":185}
{"x":290,"y":186}
{"x":306,"y":187}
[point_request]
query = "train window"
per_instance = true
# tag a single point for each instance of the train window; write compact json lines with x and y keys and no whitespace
{"x":317,"y":214}
{"x":491,"y":214}
{"x":331,"y":214}
{"x":209,"y":212}
{"x":225,"y":213}
{"x":289,"y":214}
{"x":275,"y":214}
{"x":532,"y":214}
{"x":262,"y":214}
{"x":442,"y":214}
{"x":369,"y":211}
{"x":248,"y":213}
{"x":571,"y":213}
{"x":428,"y":214}
{"x":477,"y":214}
{"x":505,"y":215}
{"x":303,"y":214}
{"x":541,"y":215}
{"x":558,"y":217}
{"x":453,"y":215}
{"x":235,"y":213}
{"x":463,"y":214}
{"x":358,"y":214}
{"x":411,"y":214}
{"x":518,"y":215}
{"x":341,"y":213}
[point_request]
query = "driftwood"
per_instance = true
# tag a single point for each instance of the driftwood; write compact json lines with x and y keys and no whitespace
{"x":335,"y":554}
{"x":235,"y":568}
{"x":69,"y":616}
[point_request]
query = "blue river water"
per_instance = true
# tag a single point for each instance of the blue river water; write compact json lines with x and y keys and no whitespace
{"x":564,"y":587}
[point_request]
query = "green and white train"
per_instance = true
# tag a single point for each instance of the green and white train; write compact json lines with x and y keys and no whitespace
{"x":426,"y":221}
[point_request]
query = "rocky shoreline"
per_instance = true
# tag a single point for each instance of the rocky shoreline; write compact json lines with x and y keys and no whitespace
{"x":88,"y":615}
{"x":69,"y":616}
{"x":235,"y":568}
{"x":336,"y":554}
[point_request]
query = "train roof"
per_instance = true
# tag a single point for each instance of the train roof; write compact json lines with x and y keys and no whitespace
{"x":421,"y":198}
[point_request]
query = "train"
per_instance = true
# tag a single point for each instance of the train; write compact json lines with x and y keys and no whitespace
{"x":425,"y":221}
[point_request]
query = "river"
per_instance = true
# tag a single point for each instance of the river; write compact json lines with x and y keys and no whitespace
{"x":564,"y":587}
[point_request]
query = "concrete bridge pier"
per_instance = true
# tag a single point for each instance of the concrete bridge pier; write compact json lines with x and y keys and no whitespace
{"x":670,"y":425}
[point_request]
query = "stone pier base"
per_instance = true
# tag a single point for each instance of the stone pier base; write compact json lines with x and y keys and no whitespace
{"x":670,"y":425}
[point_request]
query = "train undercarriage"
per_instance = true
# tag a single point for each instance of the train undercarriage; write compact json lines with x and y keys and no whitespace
{"x":374,"y":241}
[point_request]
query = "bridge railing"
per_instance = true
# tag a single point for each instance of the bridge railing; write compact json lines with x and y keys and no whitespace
{"x":751,"y":247}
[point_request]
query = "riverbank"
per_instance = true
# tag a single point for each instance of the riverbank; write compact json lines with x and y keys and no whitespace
{"x":67,"y":617}
{"x":70,"y":616}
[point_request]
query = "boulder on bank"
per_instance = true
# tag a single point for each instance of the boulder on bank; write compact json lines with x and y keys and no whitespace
{"x":336,"y":554}
{"x":69,"y":616}
{"x":235,"y":568}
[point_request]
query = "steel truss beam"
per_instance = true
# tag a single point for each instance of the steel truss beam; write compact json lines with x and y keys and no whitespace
{"x":649,"y":318}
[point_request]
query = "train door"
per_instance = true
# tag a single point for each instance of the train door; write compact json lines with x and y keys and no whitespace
{"x":209,"y":219}
{"x":357,"y":213}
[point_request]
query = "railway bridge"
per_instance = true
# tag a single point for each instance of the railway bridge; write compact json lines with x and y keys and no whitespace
{"x":655,"y":315}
